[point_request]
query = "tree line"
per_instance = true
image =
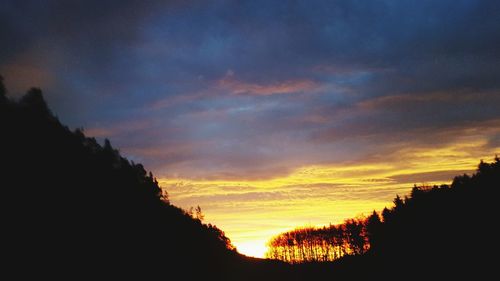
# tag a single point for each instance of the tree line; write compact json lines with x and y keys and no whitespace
{"x":429,"y":217}
{"x":328,"y":243}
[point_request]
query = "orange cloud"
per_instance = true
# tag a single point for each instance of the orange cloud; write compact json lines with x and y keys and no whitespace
{"x":21,"y":73}
{"x":110,"y":130}
{"x":99,"y":132}
{"x":252,"y":211}
{"x":393,"y":101}
{"x":237,"y":87}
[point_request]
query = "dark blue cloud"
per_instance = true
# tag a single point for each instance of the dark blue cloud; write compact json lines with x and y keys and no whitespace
{"x":249,"y":82}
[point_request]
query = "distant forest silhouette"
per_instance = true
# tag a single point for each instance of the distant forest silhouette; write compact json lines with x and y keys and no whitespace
{"x":72,"y":207}
{"x":435,"y":231}
{"x":356,"y":236}
{"x":311,"y":244}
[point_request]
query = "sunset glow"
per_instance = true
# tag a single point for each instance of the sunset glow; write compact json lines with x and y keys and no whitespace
{"x":269,"y":115}
{"x":252,"y":211}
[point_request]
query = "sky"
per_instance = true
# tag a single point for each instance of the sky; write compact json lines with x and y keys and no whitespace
{"x":270,"y":114}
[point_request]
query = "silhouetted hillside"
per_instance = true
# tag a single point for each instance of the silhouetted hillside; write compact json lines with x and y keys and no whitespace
{"x":74,"y":208}
{"x":71,"y":205}
{"x":436,"y":231}
{"x":445,"y":230}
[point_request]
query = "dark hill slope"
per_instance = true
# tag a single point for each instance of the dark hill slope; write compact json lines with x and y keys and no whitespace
{"x":436,"y":232}
{"x":70,"y":205}
{"x":446,"y":230}
{"x":72,"y":208}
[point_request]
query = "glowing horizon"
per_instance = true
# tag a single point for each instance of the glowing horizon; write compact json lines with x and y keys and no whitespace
{"x":270,"y":114}
{"x":250,"y":212}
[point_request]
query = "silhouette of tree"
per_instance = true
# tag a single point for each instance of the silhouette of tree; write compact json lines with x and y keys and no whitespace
{"x":398,"y":203}
{"x":309,"y":244}
{"x":198,"y":214}
{"x":164,"y":195}
{"x":34,"y":99}
{"x":386,"y":214}
{"x":373,"y":226}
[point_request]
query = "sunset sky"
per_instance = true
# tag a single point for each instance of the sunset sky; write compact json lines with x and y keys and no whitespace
{"x":270,"y":114}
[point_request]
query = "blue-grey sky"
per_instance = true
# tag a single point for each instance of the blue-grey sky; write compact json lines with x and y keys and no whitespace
{"x":258,"y":90}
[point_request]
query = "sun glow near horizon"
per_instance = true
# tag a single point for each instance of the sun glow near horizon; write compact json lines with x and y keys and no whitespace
{"x":256,"y":248}
{"x":269,"y":115}
{"x":251,"y":212}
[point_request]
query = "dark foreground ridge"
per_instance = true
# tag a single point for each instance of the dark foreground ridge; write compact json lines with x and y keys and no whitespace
{"x":74,"y":208}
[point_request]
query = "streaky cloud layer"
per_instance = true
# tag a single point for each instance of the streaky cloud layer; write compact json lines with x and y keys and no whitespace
{"x":270,"y":114}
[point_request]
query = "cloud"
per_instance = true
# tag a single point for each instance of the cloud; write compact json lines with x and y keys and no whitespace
{"x":320,"y":83}
{"x":236,"y":87}
{"x":423,"y":178}
{"x":494,"y":141}
{"x":24,"y":71}
{"x":255,"y":94}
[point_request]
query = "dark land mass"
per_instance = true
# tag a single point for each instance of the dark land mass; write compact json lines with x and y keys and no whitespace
{"x":74,"y":208}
